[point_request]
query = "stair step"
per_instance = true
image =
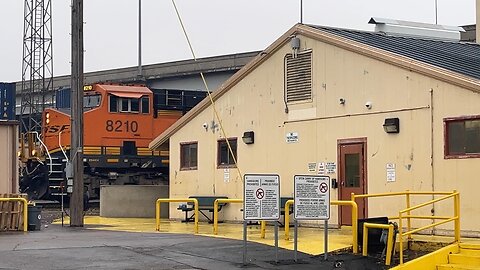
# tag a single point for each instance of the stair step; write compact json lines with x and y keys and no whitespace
{"x":456,"y":267}
{"x":471,"y":252}
{"x":470,"y":246}
{"x":464,"y":259}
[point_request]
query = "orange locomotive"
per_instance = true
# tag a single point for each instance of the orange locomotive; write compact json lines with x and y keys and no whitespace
{"x":119,"y":123}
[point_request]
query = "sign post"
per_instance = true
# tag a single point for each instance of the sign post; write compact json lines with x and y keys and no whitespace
{"x":312,"y":202}
{"x":261,"y":202}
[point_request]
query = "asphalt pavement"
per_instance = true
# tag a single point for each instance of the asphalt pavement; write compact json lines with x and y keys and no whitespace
{"x":59,"y":247}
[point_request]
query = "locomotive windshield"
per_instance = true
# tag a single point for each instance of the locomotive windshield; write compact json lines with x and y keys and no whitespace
{"x":127,"y":104}
{"x":91,"y":101}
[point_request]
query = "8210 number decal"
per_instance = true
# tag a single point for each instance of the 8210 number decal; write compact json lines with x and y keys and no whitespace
{"x":119,"y":126}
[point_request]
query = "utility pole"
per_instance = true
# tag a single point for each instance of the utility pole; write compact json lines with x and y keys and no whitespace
{"x":76,"y":150}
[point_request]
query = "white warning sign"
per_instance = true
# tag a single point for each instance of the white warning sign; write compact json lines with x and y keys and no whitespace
{"x":312,"y":197}
{"x":261,"y":197}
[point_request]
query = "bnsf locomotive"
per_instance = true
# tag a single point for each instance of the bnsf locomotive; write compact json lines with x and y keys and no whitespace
{"x":119,"y":123}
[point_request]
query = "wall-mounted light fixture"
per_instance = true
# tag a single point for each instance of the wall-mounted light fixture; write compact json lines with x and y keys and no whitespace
{"x":392,"y":125}
{"x":248,"y":137}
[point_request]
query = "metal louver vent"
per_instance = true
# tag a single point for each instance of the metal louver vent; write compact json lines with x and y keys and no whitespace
{"x":298,"y":77}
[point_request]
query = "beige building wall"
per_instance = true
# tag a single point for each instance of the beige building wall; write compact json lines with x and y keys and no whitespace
{"x":257,"y":103}
{"x":8,"y":157}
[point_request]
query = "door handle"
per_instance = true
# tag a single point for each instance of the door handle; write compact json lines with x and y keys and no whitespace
{"x":342,"y":183}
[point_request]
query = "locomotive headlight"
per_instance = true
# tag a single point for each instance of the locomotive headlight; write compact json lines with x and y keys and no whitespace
{"x":47,"y":121}
{"x":34,"y":152}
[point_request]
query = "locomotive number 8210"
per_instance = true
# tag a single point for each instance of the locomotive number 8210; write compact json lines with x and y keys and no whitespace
{"x":119,"y":126}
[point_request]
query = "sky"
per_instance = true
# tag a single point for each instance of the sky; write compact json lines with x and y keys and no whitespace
{"x":215,"y":27}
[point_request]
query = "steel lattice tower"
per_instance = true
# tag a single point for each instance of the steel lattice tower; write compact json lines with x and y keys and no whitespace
{"x":37,"y":64}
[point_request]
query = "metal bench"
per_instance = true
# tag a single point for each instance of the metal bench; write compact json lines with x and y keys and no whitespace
{"x":205,"y":203}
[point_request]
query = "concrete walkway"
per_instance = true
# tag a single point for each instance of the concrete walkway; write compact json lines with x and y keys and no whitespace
{"x":310,"y":239}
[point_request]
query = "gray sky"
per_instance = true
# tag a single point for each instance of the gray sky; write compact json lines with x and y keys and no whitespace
{"x":215,"y":27}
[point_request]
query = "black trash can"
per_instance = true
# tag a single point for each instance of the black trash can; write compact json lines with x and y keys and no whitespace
{"x":34,"y":218}
{"x":374,"y":244}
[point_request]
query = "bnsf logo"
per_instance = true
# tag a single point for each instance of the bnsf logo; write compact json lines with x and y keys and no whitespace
{"x":56,"y":128}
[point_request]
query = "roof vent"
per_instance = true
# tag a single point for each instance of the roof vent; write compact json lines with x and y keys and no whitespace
{"x":415,"y":29}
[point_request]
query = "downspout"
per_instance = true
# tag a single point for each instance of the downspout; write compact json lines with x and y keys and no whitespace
{"x":432,"y":156}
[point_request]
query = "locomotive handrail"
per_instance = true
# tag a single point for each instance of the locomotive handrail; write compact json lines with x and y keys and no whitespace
{"x":46,"y":149}
{"x":60,"y":144}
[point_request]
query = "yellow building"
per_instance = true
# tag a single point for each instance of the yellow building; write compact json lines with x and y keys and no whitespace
{"x":375,"y":112}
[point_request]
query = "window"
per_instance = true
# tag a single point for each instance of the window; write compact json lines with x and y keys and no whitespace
{"x":123,"y":104}
{"x":145,"y":105}
{"x":113,"y":104}
{"x":298,"y":77}
{"x":134,"y":105}
{"x":91,"y":101}
{"x":462,"y":137}
{"x":225,"y":158}
{"x":188,"y":156}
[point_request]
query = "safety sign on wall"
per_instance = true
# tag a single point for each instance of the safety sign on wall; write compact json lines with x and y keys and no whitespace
{"x":261,"y":197}
{"x":312,"y":197}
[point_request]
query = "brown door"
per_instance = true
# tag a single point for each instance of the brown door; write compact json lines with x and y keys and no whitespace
{"x":352,"y":177}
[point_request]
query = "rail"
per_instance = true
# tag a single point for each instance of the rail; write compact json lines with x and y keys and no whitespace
{"x":406,"y":213}
{"x":60,"y":144}
{"x":215,"y":211}
{"x":456,"y":218}
{"x":354,"y":206}
{"x":407,"y":195}
{"x":215,"y":215}
{"x":46,"y":149}
{"x":390,"y":243}
{"x":25,"y":209}
{"x":157,"y":210}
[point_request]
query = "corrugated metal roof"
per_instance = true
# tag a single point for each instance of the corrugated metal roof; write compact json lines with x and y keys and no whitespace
{"x":460,"y":57}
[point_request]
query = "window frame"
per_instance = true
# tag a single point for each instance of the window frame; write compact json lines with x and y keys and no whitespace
{"x":119,"y":102}
{"x":229,"y":165}
{"x":446,"y":152}
{"x":183,"y":146}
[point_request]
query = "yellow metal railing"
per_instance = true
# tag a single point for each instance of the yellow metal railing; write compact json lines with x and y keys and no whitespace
{"x":406,"y":213}
{"x":25,"y":209}
{"x":391,"y":232}
{"x":339,"y":203}
{"x":215,"y":215}
{"x":456,"y":218}
{"x":215,"y":211}
{"x":192,"y":200}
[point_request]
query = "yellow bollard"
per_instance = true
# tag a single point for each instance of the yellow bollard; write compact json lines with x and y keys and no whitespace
{"x":215,"y":211}
{"x":287,"y":218}
{"x":389,"y":239}
{"x":263,"y":225}
{"x":157,"y":210}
